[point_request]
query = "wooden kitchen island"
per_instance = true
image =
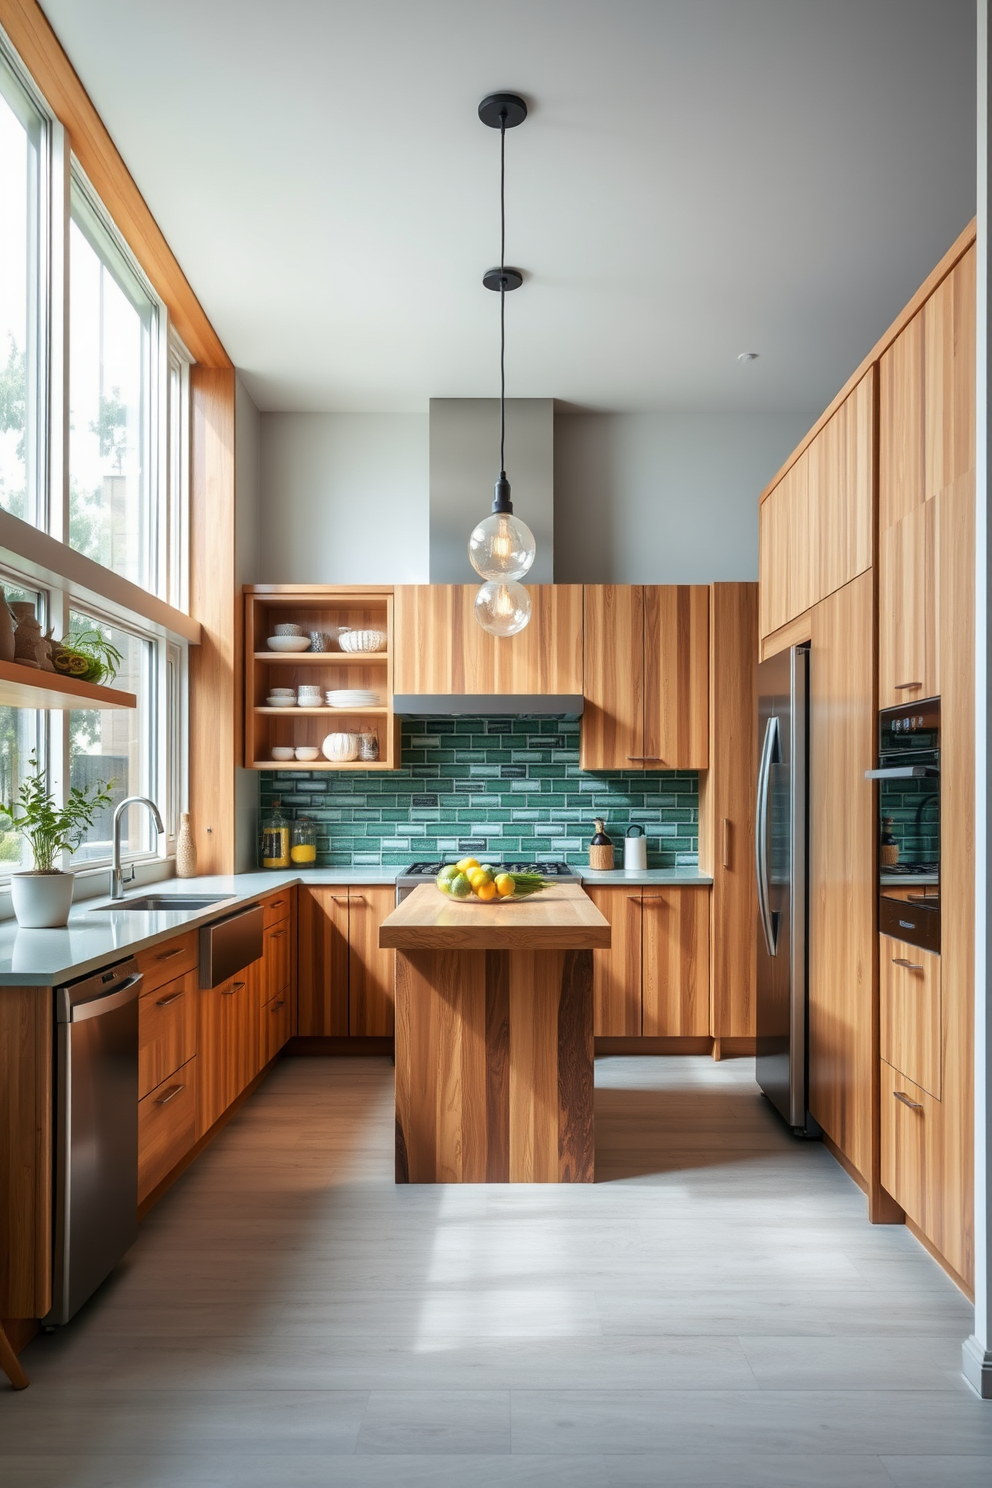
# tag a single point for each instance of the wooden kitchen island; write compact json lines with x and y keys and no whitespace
{"x":494,"y":1037}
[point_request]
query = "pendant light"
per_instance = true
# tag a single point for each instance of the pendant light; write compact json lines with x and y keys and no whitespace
{"x":501,"y":548}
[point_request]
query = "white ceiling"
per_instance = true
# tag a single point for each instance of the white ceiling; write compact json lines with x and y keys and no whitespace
{"x":697,"y":178}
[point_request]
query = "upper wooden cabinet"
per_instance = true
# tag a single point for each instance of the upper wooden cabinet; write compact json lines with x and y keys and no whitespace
{"x":815,"y":525}
{"x":441,"y":648}
{"x":646,"y":677}
{"x":907,"y":607}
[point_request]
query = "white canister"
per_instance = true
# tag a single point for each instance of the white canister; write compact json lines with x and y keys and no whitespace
{"x":635,"y":850}
{"x":340,"y":747}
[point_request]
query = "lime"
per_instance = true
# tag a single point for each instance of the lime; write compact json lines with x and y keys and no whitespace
{"x":448,"y":872}
{"x":460,"y":888}
{"x":444,"y":884}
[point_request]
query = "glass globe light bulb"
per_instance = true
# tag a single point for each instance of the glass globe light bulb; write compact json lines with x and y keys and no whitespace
{"x":502,"y":607}
{"x":501,"y":547}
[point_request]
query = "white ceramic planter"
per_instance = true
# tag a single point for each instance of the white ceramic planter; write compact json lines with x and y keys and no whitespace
{"x":340,"y":747}
{"x":41,"y":900}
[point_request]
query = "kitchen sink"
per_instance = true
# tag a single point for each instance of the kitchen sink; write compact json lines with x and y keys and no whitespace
{"x":168,"y":901}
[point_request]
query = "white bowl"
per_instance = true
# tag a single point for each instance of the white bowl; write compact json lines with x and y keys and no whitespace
{"x":288,"y":643}
{"x":361,"y":640}
{"x":280,"y":702}
{"x":296,"y":630}
{"x":307,"y":752}
{"x":282,"y":751}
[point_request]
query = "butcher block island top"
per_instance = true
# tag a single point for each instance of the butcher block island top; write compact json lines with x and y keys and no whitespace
{"x":494,"y":1037}
{"x":562,"y":918}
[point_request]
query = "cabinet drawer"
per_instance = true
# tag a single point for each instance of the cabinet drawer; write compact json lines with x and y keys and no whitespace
{"x":166,"y":1031}
{"x":275,"y":1026}
{"x":277,"y":907}
{"x":164,"y":962}
{"x":908,"y":1119}
{"x":276,"y":948}
{"x":909,"y":1005}
{"x":166,"y":1127}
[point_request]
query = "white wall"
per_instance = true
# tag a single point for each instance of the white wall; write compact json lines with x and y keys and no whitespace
{"x":344,"y":498}
{"x":664,"y":498}
{"x":247,"y":433}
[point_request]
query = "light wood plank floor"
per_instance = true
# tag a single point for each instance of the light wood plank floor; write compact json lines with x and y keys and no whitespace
{"x":715,"y":1312}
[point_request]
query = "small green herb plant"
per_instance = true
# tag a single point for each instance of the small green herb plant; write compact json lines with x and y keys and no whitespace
{"x":88,"y":655}
{"x":47,"y":828}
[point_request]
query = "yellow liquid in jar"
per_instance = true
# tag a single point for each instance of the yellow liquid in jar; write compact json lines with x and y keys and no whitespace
{"x":303,"y":853}
{"x":275,"y":847}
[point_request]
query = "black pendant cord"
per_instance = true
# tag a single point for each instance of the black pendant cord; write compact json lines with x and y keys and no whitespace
{"x":502,"y":293}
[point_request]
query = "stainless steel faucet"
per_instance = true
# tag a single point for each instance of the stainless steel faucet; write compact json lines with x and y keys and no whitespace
{"x":117,"y":879}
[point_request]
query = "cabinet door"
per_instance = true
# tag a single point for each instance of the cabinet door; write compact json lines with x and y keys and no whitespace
{"x":676,"y":676}
{"x":909,"y":1122}
{"x":616,"y":973}
{"x":909,"y":1012}
{"x":370,"y":970}
{"x":901,"y":484}
{"x":949,"y":378}
{"x":166,"y":1031}
{"x":322,"y":975}
{"x":675,"y":954}
{"x":211,"y":1085}
{"x":166,"y":1127}
{"x":274,"y":1025}
{"x":907,"y":608}
{"x":613,"y":719}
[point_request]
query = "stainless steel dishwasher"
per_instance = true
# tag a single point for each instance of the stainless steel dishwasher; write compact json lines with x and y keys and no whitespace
{"x":96,"y":1132}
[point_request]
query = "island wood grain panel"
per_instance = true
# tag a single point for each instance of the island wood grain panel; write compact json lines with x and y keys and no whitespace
{"x":494,"y":1067}
{"x":616,"y":973}
{"x":370,"y":968}
{"x":613,"y":714}
{"x":166,"y":1127}
{"x":26,"y":1105}
{"x":167,"y":1030}
{"x":676,"y":676}
{"x":901,"y":425}
{"x":907,"y":607}
{"x":675,"y":945}
{"x":726,"y":808}
{"x":909,"y":1012}
{"x":322,"y":961}
{"x":842,"y":942}
{"x":441,"y":648}
{"x":560,"y":918}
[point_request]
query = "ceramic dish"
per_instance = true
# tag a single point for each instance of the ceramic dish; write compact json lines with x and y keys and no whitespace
{"x":282,"y":751}
{"x":288,"y":643}
{"x":352,"y":699}
{"x":280,"y":702}
{"x":361,"y":640}
{"x":307,"y":752}
{"x":285,"y":630}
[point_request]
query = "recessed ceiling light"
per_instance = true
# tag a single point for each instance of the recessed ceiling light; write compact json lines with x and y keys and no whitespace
{"x":747,"y":356}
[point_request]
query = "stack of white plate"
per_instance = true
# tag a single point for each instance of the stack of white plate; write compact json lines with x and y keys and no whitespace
{"x":281,"y":697}
{"x":352,"y":697}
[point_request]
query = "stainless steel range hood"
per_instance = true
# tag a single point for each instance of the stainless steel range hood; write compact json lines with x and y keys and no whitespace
{"x":482,"y":705}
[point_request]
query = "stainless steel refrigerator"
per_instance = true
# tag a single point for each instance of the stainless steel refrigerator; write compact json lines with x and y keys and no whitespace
{"x":781,"y":850}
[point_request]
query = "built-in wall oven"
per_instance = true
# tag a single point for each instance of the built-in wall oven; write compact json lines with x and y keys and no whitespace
{"x":908,"y":776}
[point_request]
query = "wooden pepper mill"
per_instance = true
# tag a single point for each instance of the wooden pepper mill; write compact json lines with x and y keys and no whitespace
{"x":601,"y":847}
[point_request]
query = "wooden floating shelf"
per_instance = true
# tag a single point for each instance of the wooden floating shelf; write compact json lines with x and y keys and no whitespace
{"x":321,"y":712}
{"x":321,"y":765}
{"x":323,"y":658}
{"x":26,"y":687}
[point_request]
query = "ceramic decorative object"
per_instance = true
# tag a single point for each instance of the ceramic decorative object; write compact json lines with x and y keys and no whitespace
{"x":319,"y":641}
{"x":601,"y":848}
{"x":185,"y":848}
{"x":41,"y":900}
{"x":288,"y":643}
{"x":368,"y":745}
{"x":361,"y":640}
{"x":6,"y":630}
{"x":339,"y":748}
{"x":27,"y":636}
{"x":635,"y":849}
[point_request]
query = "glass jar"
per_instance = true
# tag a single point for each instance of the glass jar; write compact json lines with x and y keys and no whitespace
{"x":275,"y":840}
{"x":303,"y":841}
{"x":368,"y":745}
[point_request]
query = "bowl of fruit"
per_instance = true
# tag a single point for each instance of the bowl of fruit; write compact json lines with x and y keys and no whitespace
{"x":472,"y":882}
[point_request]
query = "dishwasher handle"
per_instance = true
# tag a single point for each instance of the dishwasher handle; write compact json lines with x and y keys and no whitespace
{"x":126,"y":992}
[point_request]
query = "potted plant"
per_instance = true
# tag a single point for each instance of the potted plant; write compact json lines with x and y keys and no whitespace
{"x":42,"y":895}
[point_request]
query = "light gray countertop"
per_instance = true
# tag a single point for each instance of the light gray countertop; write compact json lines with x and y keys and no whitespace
{"x":673,"y":878}
{"x":96,"y":936}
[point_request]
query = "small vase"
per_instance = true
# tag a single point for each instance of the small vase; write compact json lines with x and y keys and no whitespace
{"x":6,"y":630}
{"x":27,"y":635}
{"x":185,"y":849}
{"x":41,"y":900}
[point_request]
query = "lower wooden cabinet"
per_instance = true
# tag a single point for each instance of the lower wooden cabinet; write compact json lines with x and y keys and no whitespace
{"x":909,"y":1012}
{"x":654,"y":980}
{"x":345,"y":982}
{"x":909,"y":1122}
{"x":274,"y":1026}
{"x":167,"y":1030}
{"x":228,"y":1043}
{"x":167,"y":1126}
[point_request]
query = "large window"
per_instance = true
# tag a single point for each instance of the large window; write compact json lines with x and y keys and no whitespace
{"x":22,"y":134}
{"x":113,"y":324}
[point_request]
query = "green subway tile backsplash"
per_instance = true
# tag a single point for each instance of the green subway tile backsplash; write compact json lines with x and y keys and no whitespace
{"x":510,"y":787}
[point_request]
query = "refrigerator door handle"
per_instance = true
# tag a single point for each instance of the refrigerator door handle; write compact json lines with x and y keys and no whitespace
{"x":769,"y":749}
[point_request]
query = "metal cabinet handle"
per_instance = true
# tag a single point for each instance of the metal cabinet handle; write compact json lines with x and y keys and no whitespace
{"x":170,"y":1094}
{"x":769,"y":752}
{"x":653,"y":899}
{"x":235,"y":987}
{"x":340,"y":898}
{"x":276,"y":934}
{"x":275,"y":1006}
{"x":168,"y":955}
{"x":275,"y":903}
{"x":649,"y":759}
{"x":165,"y":1001}
{"x":726,"y":842}
{"x":922,"y":898}
{"x":902,"y":686}
{"x":909,"y":965}
{"x":634,"y":898}
{"x":901,"y":1096}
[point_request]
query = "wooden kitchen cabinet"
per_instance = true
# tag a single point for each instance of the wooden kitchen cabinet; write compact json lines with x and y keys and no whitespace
{"x":646,"y":677}
{"x":653,"y":982}
{"x":345,"y":980}
{"x":440,"y":648}
{"x":909,"y":1012}
{"x":907,"y":607}
{"x":228,"y":1034}
{"x":167,"y":1126}
{"x":167,"y":1030}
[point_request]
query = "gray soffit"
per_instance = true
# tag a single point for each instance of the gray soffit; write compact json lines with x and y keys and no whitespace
{"x":486,"y":705}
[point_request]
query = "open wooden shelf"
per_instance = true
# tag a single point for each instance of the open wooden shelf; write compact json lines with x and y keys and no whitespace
{"x":28,"y":687}
{"x":313,"y":607}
